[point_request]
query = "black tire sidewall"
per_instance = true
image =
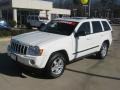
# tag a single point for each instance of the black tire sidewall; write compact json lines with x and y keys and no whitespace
{"x":49,"y":64}
{"x":99,"y":54}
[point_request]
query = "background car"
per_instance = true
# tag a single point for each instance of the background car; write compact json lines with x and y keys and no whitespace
{"x":36,"y":21}
{"x":115,"y":21}
{"x":4,"y":25}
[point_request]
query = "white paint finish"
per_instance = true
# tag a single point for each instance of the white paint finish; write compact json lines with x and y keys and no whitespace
{"x":32,"y":4}
{"x":83,"y":42}
{"x":37,"y":37}
{"x":54,"y":42}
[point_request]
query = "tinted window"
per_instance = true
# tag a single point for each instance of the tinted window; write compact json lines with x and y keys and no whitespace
{"x":60,"y":27}
{"x":105,"y":25}
{"x":85,"y":27}
{"x":36,"y":18}
{"x":96,"y":27}
{"x":32,"y":18}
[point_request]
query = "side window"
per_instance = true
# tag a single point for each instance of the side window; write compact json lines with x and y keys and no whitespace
{"x":36,"y":18}
{"x":96,"y":27}
{"x":105,"y":25}
{"x":32,"y":18}
{"x":85,"y":27}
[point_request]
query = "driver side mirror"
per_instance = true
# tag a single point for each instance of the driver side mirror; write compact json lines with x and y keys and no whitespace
{"x":80,"y":33}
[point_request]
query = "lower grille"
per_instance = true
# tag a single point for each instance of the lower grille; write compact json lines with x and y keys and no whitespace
{"x":18,"y":48}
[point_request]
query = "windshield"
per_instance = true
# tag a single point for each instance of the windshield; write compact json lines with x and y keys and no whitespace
{"x":60,"y":27}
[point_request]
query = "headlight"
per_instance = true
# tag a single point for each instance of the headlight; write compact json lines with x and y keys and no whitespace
{"x":35,"y":51}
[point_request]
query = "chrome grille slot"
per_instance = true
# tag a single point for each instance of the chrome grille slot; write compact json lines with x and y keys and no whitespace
{"x":25,"y":49}
{"x":18,"y":48}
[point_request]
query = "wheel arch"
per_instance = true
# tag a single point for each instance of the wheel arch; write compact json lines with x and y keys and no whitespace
{"x":64,"y":52}
{"x":108,"y":42}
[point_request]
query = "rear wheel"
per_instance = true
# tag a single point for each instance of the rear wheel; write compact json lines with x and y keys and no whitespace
{"x":56,"y":65}
{"x":103,"y":51}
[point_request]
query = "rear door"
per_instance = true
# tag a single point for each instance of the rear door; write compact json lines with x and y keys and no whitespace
{"x":97,"y":35}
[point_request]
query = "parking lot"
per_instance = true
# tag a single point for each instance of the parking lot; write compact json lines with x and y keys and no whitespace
{"x":86,"y":74}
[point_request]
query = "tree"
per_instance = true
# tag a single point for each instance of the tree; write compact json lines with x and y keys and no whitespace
{"x":76,"y":2}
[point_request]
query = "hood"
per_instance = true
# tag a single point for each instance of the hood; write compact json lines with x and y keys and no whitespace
{"x":37,"y":37}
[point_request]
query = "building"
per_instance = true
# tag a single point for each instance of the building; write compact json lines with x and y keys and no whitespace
{"x":18,"y":10}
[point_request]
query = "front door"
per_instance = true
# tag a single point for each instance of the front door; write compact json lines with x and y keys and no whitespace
{"x":83,"y":42}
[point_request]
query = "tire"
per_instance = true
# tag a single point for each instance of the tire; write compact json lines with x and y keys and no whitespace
{"x":103,"y":51}
{"x":55,"y":66}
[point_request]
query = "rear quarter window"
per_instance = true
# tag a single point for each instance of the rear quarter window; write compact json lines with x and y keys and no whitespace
{"x":106,"y":26}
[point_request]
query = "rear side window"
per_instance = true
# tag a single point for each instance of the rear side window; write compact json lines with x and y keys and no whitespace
{"x":106,"y":26}
{"x":96,"y":27}
{"x":36,"y":18}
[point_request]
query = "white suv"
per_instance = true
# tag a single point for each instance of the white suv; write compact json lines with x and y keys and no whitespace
{"x":61,"y":41}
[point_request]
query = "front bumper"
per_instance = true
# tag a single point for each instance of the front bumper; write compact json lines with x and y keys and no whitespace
{"x":31,"y":61}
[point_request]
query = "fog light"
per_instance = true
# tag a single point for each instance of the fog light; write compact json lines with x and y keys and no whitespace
{"x":32,"y":62}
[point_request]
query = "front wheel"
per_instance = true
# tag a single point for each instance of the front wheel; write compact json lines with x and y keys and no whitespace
{"x":103,"y":51}
{"x":56,"y":65}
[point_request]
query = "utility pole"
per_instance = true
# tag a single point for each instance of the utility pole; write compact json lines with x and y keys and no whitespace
{"x":89,"y":8}
{"x":75,"y":12}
